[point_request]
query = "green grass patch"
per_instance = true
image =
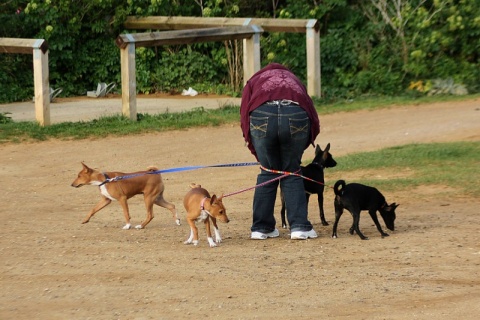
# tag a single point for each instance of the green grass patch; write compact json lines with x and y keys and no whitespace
{"x":372,"y":103}
{"x":118,"y":125}
{"x":456,"y":165}
{"x":200,"y":117}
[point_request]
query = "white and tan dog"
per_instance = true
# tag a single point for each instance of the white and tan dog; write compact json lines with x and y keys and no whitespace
{"x":203,"y":208}
{"x":141,"y":182}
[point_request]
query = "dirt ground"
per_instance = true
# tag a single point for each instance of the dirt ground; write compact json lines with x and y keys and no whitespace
{"x":54,"y":267}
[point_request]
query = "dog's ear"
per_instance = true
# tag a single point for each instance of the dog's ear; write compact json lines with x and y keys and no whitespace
{"x":327,"y":148}
{"x":84,"y":166}
{"x":318,"y":150}
{"x":213,"y":199}
{"x":220,"y":198}
{"x":392,"y":206}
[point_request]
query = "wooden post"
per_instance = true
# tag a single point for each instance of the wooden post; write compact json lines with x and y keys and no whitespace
{"x":39,"y":49}
{"x":251,"y":56}
{"x":129,"y":82}
{"x":42,"y":87}
{"x":313,"y":60}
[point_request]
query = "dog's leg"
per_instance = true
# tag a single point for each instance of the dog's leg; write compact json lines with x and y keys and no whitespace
{"x":160,"y":201}
{"x":282,"y":211}
{"x":356,"y":224}
{"x":338,"y":213}
{"x":209,"y":233}
{"x":149,"y":200}
{"x":99,"y":206}
{"x":126,"y":213}
{"x":320,"y":208}
{"x":193,"y":238}
{"x":218,"y":238}
{"x":373,"y":214}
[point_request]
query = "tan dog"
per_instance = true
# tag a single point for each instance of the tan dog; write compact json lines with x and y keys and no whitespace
{"x":151,"y":185}
{"x":201,"y":207}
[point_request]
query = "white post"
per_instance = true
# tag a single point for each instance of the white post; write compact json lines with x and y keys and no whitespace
{"x":129,"y":82}
{"x":42,"y":87}
{"x":251,"y":53}
{"x":314,"y":87}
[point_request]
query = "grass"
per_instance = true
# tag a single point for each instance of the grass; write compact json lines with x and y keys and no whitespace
{"x":118,"y":125}
{"x":455,"y":165}
{"x":18,"y":132}
{"x":372,"y":103}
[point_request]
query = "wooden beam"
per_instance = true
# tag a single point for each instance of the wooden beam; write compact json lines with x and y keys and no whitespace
{"x":150,"y":39}
{"x":180,"y":23}
{"x":26,"y":46}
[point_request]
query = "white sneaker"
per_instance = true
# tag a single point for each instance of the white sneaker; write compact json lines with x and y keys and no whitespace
{"x":256,"y":235}
{"x":302,"y":235}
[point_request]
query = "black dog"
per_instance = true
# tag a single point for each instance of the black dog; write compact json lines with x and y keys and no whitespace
{"x":323,"y":159}
{"x":356,"y":197}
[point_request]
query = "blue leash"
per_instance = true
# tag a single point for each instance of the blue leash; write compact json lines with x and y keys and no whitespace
{"x":242,"y":164}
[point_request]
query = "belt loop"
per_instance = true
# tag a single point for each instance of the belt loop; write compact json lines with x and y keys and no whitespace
{"x":283,"y":102}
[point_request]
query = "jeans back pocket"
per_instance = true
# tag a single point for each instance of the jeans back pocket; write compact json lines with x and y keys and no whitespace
{"x":258,"y":126}
{"x":299,"y":128}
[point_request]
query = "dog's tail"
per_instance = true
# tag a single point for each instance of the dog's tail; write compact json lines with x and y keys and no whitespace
{"x":338,"y":187}
{"x":193,"y":185}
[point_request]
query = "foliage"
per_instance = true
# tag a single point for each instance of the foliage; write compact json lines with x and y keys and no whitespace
{"x":5,"y":118}
{"x":369,"y":47}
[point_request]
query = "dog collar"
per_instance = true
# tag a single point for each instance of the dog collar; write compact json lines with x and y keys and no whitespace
{"x":318,"y":164}
{"x":202,"y":203}
{"x":107,"y":179}
{"x":202,"y":208}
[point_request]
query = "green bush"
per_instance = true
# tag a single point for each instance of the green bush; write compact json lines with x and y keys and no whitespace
{"x":362,"y":51}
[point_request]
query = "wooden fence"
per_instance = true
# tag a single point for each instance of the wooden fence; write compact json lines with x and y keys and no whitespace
{"x":311,"y":27}
{"x":39,"y":49}
{"x":128,"y":42}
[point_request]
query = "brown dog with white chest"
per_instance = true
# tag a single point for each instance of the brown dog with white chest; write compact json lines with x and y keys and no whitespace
{"x":142,"y":182}
{"x":203,"y":208}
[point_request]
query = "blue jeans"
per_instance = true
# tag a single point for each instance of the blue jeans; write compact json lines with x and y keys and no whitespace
{"x":280,"y":134}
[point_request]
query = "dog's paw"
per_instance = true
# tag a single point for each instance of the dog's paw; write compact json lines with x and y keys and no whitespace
{"x":138,"y":226}
{"x":127,"y":226}
{"x":385,"y":235}
{"x":194,"y":242}
{"x":211,"y":242}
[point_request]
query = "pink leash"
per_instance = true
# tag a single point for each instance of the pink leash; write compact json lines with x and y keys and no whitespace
{"x":283,"y":175}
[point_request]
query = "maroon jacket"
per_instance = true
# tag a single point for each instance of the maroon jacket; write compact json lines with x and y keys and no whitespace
{"x":275,"y":82}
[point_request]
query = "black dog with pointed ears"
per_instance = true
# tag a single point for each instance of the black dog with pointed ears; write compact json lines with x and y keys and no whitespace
{"x":323,"y":159}
{"x":356,"y":197}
